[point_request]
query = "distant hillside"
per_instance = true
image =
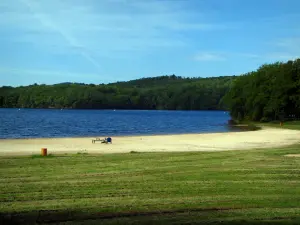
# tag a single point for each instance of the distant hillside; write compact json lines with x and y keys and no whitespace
{"x":164,"y":92}
{"x":270,"y":93}
{"x":155,"y":81}
{"x":168,"y":80}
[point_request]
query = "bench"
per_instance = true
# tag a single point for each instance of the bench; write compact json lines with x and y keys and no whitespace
{"x":97,"y":139}
{"x":106,"y":140}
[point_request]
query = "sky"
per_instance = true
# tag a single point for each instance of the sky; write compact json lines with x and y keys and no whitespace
{"x":103,"y":41}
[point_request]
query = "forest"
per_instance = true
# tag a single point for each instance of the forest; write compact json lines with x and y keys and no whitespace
{"x":162,"y":93}
{"x":272,"y":92}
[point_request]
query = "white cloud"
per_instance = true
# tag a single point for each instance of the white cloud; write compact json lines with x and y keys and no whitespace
{"x":291,"y":45}
{"x":283,"y":49}
{"x":29,"y":72}
{"x":209,"y":56}
{"x":264,"y":57}
{"x":102,"y":30}
{"x":288,"y":42}
{"x":281,"y":56}
{"x":29,"y":76}
{"x":248,"y":55}
{"x":103,"y":26}
{"x":270,"y":56}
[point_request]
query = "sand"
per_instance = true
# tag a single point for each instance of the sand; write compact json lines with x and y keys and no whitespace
{"x":265,"y":138}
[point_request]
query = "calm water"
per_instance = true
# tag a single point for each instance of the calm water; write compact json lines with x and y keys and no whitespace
{"x":26,"y":123}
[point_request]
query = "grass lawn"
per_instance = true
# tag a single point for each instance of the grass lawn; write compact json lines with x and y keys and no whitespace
{"x":294,"y":125}
{"x":233,"y":187}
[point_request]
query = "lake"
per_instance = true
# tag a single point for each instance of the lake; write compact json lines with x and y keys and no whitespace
{"x":36,"y":123}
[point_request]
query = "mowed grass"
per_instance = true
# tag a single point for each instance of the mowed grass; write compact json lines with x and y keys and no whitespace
{"x":233,"y":187}
{"x":293,"y":125}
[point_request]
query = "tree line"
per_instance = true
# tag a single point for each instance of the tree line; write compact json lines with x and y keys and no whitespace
{"x":163,"y":93}
{"x":270,"y":93}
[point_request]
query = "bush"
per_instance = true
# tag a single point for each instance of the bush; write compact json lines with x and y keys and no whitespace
{"x":232,"y":122}
{"x":265,"y":120}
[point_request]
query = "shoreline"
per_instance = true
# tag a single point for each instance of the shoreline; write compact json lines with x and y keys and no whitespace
{"x":222,"y":141}
{"x":240,"y":126}
{"x":120,"y":136}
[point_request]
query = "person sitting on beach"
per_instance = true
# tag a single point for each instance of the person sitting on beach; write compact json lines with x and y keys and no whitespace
{"x":107,"y":140}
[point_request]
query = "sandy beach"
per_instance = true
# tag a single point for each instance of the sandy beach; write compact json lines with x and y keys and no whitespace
{"x":265,"y":138}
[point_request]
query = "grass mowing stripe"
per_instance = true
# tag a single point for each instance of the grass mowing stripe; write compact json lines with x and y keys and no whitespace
{"x":121,"y":183}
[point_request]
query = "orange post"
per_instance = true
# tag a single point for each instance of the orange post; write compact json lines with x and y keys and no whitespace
{"x":44,"y":151}
{"x":280,"y":123}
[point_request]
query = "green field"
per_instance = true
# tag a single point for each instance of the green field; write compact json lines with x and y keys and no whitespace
{"x":293,"y":125}
{"x":234,"y":187}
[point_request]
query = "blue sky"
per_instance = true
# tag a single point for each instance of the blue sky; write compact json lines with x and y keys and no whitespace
{"x":101,"y":41}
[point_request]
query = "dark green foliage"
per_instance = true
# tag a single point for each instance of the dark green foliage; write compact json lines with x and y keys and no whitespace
{"x":270,"y":93}
{"x":165,"y":92}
